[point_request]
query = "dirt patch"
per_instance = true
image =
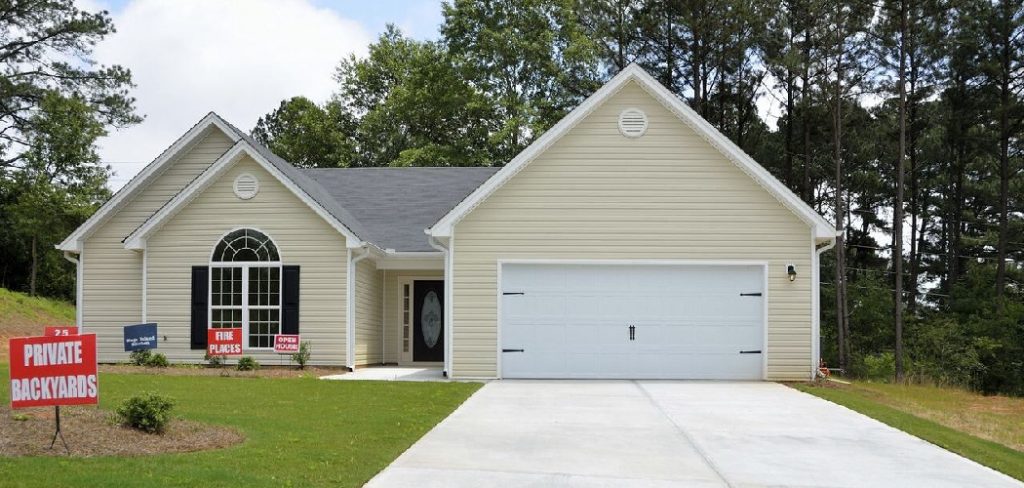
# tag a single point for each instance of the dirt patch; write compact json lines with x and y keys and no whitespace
{"x":226,"y":371}
{"x":90,"y":432}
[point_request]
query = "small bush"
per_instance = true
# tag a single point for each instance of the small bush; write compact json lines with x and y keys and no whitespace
{"x":302,"y":357}
{"x":214,"y":361}
{"x":880,"y":367}
{"x":140,"y":357}
{"x":247,"y":363}
{"x":157,"y":360}
{"x":149,"y":412}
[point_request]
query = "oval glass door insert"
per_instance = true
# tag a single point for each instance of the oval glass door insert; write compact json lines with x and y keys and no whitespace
{"x":430,"y":319}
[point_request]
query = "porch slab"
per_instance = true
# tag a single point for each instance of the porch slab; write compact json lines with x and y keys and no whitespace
{"x":390,"y":373}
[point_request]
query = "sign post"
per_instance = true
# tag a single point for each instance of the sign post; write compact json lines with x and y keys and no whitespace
{"x":54,"y":370}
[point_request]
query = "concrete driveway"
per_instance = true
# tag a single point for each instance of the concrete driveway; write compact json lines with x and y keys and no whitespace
{"x":668,"y":433}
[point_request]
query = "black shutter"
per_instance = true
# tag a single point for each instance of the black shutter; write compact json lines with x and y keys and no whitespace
{"x":290,"y":300}
{"x":200,"y":302}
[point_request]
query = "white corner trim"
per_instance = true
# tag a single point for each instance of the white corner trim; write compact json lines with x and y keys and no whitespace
{"x":154,"y":169}
{"x":822,"y":228}
{"x":137,"y":239}
{"x":145,"y":286}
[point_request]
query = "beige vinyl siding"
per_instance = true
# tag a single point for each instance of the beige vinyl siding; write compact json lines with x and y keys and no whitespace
{"x":369,"y":313}
{"x":394,"y":308}
{"x":596,"y":194}
{"x":112,"y":275}
{"x":301,"y":236}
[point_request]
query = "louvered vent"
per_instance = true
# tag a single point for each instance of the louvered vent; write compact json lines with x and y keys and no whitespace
{"x":632,"y":122}
{"x":246,"y":186}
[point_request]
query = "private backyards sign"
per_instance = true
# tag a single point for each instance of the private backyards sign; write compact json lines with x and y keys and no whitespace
{"x":53,"y":370}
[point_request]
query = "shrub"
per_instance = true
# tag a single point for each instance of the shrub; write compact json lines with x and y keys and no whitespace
{"x":879,"y":367}
{"x":247,"y":363}
{"x":140,"y":357}
{"x":214,"y":361}
{"x":149,"y":412}
{"x":302,"y":357}
{"x":157,"y":360}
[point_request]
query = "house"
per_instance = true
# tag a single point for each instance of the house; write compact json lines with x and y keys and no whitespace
{"x":632,"y":240}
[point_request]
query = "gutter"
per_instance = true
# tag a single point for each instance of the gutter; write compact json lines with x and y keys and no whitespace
{"x":816,"y":305}
{"x":78,"y":288}
{"x":446,"y":252}
{"x":350,"y":307}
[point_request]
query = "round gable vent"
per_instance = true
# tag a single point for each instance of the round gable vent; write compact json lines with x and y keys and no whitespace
{"x":632,"y":122}
{"x":246,"y":186}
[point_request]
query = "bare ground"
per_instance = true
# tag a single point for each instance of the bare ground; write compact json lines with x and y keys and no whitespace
{"x":90,"y":432}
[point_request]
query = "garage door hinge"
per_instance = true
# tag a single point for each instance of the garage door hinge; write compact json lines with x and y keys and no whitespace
{"x":513,"y":293}
{"x":750,"y":294}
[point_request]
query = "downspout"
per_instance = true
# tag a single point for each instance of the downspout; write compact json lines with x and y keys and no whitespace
{"x":434,"y":243}
{"x":78,"y":289}
{"x":816,"y":306}
{"x":350,"y":305}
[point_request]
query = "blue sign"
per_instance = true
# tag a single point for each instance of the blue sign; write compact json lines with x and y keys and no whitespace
{"x":138,"y":337}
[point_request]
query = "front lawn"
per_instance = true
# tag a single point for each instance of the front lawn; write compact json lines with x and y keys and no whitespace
{"x":953,"y":419}
{"x":299,"y":432}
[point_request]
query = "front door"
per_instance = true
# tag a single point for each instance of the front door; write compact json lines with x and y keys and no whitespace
{"x":428,"y":321}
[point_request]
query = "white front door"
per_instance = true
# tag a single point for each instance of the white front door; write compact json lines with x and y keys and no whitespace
{"x":632,"y":321}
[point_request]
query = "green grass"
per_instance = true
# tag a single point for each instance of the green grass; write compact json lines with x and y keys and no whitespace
{"x":299,"y":432}
{"x":865,"y":401}
{"x":19,"y":308}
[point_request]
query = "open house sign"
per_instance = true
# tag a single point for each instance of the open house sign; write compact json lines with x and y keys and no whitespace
{"x":53,"y":370}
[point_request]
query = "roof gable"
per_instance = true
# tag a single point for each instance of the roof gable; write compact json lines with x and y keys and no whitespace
{"x":149,"y":174}
{"x":821,"y":228}
{"x":137,"y":239}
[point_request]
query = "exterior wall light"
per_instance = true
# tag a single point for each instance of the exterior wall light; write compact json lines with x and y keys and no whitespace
{"x":791,"y":271}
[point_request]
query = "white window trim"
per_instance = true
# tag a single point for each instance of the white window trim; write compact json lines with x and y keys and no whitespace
{"x":246,"y":266}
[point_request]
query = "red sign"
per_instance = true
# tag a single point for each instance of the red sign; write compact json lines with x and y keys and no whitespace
{"x":54,"y":370}
{"x":224,"y":342}
{"x":286,"y":344}
{"x":52,"y":330}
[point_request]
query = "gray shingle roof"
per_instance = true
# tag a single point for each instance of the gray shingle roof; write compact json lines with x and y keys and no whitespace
{"x":311,"y":187}
{"x":395,"y":205}
{"x":389,"y":207}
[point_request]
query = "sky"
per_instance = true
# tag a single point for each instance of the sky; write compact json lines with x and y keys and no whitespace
{"x":238,"y":58}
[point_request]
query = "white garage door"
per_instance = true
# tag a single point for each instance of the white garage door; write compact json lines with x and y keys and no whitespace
{"x":628,"y":321}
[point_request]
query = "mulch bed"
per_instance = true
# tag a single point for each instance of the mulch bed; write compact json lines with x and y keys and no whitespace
{"x":90,"y":432}
{"x":227,"y":370}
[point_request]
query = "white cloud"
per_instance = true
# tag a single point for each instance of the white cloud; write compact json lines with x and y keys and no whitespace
{"x":237,"y":58}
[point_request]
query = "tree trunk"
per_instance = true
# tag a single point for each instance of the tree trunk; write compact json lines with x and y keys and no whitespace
{"x":35,"y":267}
{"x":1004,"y":162}
{"x":897,"y":218}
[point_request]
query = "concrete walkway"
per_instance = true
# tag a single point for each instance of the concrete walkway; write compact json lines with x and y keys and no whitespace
{"x":651,"y":433}
{"x":390,"y":373}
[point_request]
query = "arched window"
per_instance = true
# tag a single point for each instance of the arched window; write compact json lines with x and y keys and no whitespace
{"x":245,"y":287}
{"x":246,"y":245}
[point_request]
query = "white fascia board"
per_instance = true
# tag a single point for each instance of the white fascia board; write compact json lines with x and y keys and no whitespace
{"x":137,"y":239}
{"x":73,"y":243}
{"x":822,"y":228}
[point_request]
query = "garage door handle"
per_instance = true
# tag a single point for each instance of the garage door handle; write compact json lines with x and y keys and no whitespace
{"x":513,"y":350}
{"x":757,"y":294}
{"x":758,"y":351}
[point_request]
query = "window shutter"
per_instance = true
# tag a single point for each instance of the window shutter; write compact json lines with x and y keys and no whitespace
{"x":200,"y":302}
{"x":290,"y":300}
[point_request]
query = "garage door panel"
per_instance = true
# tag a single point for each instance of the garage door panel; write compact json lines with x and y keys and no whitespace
{"x":572,"y":321}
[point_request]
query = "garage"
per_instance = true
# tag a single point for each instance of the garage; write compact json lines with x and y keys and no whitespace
{"x":632,"y":321}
